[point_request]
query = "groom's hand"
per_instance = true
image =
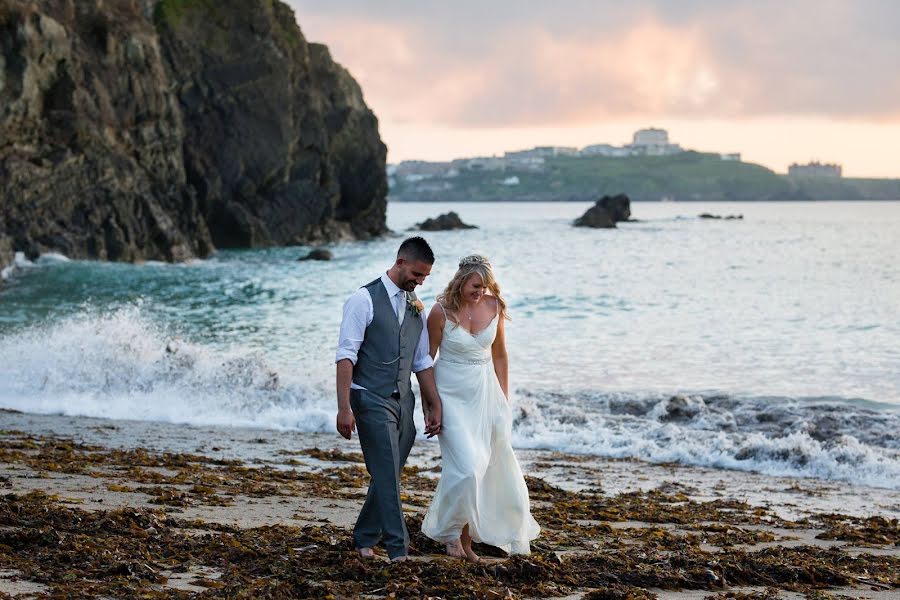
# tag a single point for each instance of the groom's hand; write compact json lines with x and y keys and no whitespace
{"x":346,"y":424}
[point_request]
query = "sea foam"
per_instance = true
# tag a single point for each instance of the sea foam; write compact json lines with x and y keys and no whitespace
{"x":120,"y":364}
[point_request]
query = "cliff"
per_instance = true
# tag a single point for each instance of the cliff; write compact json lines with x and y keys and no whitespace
{"x":142,"y":130}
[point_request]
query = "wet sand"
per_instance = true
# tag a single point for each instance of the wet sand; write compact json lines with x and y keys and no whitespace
{"x":95,"y":508}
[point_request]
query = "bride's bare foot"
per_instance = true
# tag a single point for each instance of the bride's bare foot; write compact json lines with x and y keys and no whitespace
{"x":455,"y":549}
{"x":466,"y":542}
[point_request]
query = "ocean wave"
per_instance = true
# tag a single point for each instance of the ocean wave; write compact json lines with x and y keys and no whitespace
{"x":119,"y":365}
{"x":833,"y":440}
{"x":19,"y":262}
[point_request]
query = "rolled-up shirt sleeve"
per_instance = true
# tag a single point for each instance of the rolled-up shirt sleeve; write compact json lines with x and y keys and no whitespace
{"x":358,"y":313}
{"x":422,"y":358}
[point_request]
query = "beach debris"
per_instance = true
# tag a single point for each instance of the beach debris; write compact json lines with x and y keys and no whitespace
{"x":605,"y":546}
{"x":333,"y":455}
{"x":871,"y":531}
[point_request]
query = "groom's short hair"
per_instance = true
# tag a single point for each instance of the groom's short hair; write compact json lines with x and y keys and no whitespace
{"x":416,"y":248}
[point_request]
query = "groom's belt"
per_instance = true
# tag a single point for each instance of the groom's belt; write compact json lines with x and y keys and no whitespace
{"x":395,"y":395}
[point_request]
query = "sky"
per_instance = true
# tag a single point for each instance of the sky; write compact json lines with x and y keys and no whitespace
{"x":778,"y":81}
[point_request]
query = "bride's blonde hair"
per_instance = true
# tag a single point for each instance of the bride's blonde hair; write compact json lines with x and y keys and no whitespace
{"x":474,"y":264}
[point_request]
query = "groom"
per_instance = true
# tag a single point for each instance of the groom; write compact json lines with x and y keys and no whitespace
{"x":383,"y":339}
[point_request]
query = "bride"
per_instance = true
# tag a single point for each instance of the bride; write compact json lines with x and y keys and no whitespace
{"x":481,"y":495}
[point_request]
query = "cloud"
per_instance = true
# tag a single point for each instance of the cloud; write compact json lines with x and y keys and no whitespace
{"x":524,"y":63}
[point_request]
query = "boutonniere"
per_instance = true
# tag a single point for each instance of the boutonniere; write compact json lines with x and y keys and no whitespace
{"x":414,"y":304}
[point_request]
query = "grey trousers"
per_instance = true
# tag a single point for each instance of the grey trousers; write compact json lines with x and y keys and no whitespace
{"x":386,"y":435}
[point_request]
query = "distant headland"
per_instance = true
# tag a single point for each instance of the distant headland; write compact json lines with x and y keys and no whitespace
{"x":651,"y":168}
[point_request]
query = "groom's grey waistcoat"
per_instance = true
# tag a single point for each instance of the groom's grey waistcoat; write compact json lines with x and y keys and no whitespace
{"x":384,"y":360}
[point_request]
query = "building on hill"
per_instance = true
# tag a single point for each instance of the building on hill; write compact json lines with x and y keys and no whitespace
{"x":650,"y":137}
{"x":542,"y":152}
{"x":418,"y":167}
{"x":815,"y":169}
{"x":480,"y":163}
{"x":652,"y":142}
{"x":604,"y":150}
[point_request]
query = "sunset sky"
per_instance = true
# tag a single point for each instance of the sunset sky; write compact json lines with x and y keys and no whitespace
{"x":779,"y":81}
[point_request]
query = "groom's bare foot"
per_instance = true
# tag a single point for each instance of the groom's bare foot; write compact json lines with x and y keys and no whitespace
{"x":455,"y":549}
{"x":366,"y":553}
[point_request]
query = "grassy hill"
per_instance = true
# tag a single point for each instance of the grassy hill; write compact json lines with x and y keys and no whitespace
{"x":680,"y":177}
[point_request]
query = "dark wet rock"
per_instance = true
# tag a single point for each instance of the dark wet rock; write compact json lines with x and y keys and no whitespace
{"x":6,"y":253}
{"x":679,"y":408}
{"x":279,"y":142}
{"x":445,"y":222}
{"x":607,"y":211}
{"x":318,"y":254}
{"x":725,"y":218}
{"x":91,"y":162}
{"x":142,"y":130}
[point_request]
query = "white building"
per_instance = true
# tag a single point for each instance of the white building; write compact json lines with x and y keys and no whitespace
{"x":542,"y":152}
{"x":653,"y":142}
{"x":604,"y":150}
{"x":482,"y":163}
{"x":650,"y":137}
{"x":815,"y":169}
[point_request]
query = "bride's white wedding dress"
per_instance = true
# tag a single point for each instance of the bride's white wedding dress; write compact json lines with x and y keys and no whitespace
{"x":481,"y":483}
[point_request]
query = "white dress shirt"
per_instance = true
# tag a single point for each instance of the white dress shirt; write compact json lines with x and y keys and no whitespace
{"x":358,"y":314}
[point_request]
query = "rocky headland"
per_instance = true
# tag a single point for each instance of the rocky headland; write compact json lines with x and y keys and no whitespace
{"x":138,"y":130}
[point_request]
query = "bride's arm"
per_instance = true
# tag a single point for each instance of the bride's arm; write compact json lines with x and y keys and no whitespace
{"x":501,"y":360}
{"x":435,"y":329}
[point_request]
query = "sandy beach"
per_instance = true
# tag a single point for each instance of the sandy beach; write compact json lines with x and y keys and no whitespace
{"x":99,"y":508}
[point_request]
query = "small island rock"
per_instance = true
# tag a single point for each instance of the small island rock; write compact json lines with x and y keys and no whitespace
{"x":318,"y":254}
{"x":444,"y":222}
{"x":727,"y":217}
{"x":606,"y":212}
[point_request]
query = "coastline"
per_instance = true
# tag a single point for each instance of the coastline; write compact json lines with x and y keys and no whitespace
{"x":261,"y":513}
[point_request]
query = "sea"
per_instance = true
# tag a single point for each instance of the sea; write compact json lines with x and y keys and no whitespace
{"x":769,"y":343}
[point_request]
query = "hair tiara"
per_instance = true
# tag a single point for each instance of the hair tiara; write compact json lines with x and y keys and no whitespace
{"x":474,"y":259}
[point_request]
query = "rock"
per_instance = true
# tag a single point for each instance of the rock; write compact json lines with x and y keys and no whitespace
{"x":135,"y":131}
{"x":444,"y":222}
{"x":727,"y":218}
{"x":92,"y":161}
{"x":279,"y":142}
{"x":607,"y":211}
{"x":678,"y":408}
{"x":317,"y":254}
{"x":6,"y":255}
